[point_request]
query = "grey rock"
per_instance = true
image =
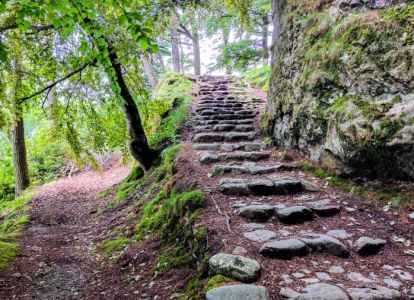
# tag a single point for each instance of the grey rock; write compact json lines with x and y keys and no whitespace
{"x":373,"y":293}
{"x":287,"y":186}
{"x":403,"y":275}
{"x":207,"y":158}
{"x":358,"y":277}
{"x":323,"y":276}
{"x":284,"y":249}
{"x":339,"y":234}
{"x":261,"y":187}
{"x":325,"y":243}
{"x":235,"y":266}
{"x":324,"y":208}
{"x":323,"y":291}
{"x":252,"y":226}
{"x":368,"y":246}
{"x":206,"y":147}
{"x":294,"y":214}
{"x":336,"y":270}
{"x":233,"y":187}
{"x":239,"y":251}
{"x":257,"y":212}
{"x":392,"y":283}
{"x":238,"y":292}
{"x":260,"y":235}
{"x":288,"y":293}
{"x":411,"y":216}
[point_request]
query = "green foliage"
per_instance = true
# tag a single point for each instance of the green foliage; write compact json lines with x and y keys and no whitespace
{"x":239,"y":55}
{"x":130,"y":184}
{"x":258,"y":77}
{"x":13,"y":217}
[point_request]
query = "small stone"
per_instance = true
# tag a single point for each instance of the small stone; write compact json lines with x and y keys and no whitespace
{"x":252,"y":226}
{"x":325,"y":243}
{"x":411,"y":216}
{"x":239,"y":251}
{"x":403,"y":275}
{"x":336,"y":270}
{"x":392,"y":283}
{"x":310,"y":280}
{"x":323,"y":276}
{"x":373,"y":293}
{"x":298,"y":275}
{"x":368,"y":246}
{"x":235,"y":266}
{"x":294,"y":214}
{"x":339,"y":234}
{"x":260,"y":235}
{"x":257,"y":212}
{"x":238,"y":292}
{"x":288,"y":293}
{"x":358,"y":277}
{"x":324,"y":208}
{"x":284,"y":249}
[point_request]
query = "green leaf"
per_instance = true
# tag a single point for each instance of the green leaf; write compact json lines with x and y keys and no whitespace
{"x":143,"y":43}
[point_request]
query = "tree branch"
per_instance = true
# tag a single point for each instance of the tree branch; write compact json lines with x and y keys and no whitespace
{"x":50,"y":86}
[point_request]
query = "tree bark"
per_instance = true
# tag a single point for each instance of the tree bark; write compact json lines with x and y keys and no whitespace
{"x":196,"y":51}
{"x":175,"y":50}
{"x":149,"y":69}
{"x":277,"y":8}
{"x":139,"y":146}
{"x":265,"y":34}
{"x":17,"y":138}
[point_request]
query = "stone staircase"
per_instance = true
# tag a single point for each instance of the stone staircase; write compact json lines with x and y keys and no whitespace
{"x":302,"y":242}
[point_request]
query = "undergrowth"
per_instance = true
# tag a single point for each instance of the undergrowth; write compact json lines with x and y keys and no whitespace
{"x":258,"y":77}
{"x":13,"y":216}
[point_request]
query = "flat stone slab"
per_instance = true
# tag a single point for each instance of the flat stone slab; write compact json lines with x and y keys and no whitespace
{"x":368,"y":246}
{"x":339,"y":234}
{"x":324,"y":243}
{"x":215,"y":122}
{"x":284,"y":249}
{"x":206,"y":158}
{"x":263,"y":186}
{"x":323,"y":291}
{"x":207,"y":137}
{"x":246,"y":168}
{"x":257,"y":212}
{"x":235,"y":266}
{"x":373,"y":293}
{"x":324,"y":208}
{"x":294,"y":214}
{"x":243,"y":146}
{"x":238,"y":292}
{"x":260,"y":235}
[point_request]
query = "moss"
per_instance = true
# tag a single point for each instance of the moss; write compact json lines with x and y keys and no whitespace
{"x":113,"y":245}
{"x":216,"y":281}
{"x":130,"y":184}
{"x":13,"y":216}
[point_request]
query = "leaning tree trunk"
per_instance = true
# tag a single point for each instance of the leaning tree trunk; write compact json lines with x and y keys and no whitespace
{"x":196,"y":50}
{"x":175,"y":48}
{"x":139,"y":146}
{"x":17,"y":138}
{"x":265,"y":34}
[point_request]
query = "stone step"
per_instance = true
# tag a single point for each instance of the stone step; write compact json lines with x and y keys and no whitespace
{"x":265,"y":186}
{"x":217,"y":103}
{"x":225,"y":128}
{"x":226,"y":117}
{"x":250,"y":168}
{"x":224,"y":122}
{"x":246,"y":146}
{"x":220,"y":105}
{"x":224,"y":137}
{"x":213,"y":112}
{"x":207,"y":158}
{"x":301,"y":246}
{"x":238,"y":292}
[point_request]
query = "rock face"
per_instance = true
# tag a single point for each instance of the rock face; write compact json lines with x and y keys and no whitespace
{"x":342,"y":86}
{"x":234,"y":266}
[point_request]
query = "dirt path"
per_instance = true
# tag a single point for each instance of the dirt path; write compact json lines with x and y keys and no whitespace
{"x":57,"y":258}
{"x":311,"y":241}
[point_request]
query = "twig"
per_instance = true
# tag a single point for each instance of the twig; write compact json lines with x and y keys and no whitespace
{"x":223,"y":214}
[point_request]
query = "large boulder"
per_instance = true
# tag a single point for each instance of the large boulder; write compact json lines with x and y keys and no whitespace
{"x":342,"y":86}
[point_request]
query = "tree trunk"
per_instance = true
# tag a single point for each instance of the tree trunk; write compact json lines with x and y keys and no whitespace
{"x":277,"y":8}
{"x":17,"y":138}
{"x":196,"y":51}
{"x":149,"y":69}
{"x":175,"y":50}
{"x":139,"y":146}
{"x":226,"y":37}
{"x":265,"y":34}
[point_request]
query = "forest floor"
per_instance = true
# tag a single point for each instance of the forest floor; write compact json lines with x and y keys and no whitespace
{"x":59,"y":257}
